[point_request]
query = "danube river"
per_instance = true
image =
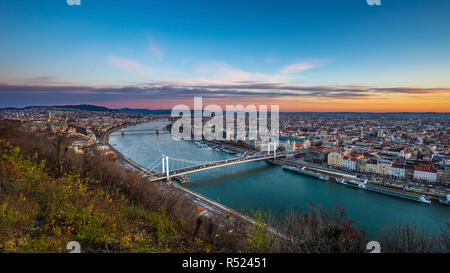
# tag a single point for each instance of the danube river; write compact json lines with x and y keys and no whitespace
{"x":260,"y":185}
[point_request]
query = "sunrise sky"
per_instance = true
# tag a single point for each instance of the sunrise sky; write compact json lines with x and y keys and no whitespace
{"x":321,"y":55}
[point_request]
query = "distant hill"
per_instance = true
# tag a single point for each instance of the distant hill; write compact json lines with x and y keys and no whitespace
{"x":86,"y":107}
{"x":89,"y":107}
{"x":143,"y":111}
{"x":94,"y":108}
{"x":11,"y":108}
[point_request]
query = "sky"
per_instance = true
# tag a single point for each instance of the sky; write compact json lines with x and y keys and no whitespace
{"x":321,"y":55}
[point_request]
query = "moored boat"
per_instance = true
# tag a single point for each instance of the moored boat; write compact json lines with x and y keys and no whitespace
{"x":445,"y":201}
{"x":181,"y":179}
{"x":341,"y":181}
{"x":200,"y":145}
{"x":354,"y":183}
{"x":409,"y":196}
{"x":363,"y":185}
{"x":305,"y":172}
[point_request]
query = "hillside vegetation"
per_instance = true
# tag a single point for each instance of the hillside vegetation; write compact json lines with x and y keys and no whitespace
{"x":44,"y":204}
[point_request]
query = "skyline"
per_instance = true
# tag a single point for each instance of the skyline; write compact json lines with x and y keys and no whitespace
{"x":312,"y":56}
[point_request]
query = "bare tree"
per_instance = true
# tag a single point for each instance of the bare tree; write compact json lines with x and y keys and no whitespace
{"x":318,"y":231}
{"x":409,"y":238}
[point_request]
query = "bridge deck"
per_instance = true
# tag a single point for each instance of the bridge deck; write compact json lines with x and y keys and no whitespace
{"x":212,"y":165}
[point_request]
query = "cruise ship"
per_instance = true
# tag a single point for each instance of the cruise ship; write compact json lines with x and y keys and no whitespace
{"x":363,"y":185}
{"x":305,"y":172}
{"x":410,"y":196}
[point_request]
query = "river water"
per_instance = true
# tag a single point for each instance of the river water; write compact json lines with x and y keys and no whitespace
{"x":261,"y":185}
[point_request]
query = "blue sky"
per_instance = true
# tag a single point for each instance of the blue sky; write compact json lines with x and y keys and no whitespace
{"x":201,"y":43}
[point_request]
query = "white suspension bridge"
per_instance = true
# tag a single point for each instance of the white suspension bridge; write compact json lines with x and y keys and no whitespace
{"x":167,"y":167}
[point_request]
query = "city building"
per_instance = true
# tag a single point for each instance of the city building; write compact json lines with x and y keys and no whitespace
{"x":335,"y":158}
{"x":425,"y":173}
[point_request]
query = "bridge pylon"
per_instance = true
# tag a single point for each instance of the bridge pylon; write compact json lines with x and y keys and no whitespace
{"x":163,"y":164}
{"x":274,"y":145}
{"x":167,"y":169}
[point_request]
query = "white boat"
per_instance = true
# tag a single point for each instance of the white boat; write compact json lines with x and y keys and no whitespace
{"x":354,"y":183}
{"x":228,"y":151}
{"x":445,"y":201}
{"x":323,"y":177}
{"x":305,"y":172}
{"x":363,"y":184}
{"x":200,"y":145}
{"x":341,"y":181}
{"x":423,"y":199}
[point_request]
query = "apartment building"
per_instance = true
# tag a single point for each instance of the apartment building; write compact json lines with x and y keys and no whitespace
{"x":425,"y":173}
